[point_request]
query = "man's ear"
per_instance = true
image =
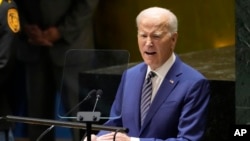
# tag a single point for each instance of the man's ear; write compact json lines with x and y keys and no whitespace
{"x":174,"y":38}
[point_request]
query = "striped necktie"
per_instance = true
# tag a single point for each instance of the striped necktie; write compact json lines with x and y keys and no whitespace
{"x":146,"y":95}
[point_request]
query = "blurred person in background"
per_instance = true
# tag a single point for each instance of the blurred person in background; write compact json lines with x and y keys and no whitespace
{"x":49,"y":29}
{"x":9,"y":27}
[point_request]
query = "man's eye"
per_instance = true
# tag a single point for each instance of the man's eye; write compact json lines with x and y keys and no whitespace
{"x":156,"y":36}
{"x":143,"y":36}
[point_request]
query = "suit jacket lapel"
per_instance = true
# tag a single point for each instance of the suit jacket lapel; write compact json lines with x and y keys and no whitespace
{"x":135,"y":89}
{"x":168,"y":84}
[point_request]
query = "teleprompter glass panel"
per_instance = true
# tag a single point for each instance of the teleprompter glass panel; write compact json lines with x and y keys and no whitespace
{"x":86,"y":73}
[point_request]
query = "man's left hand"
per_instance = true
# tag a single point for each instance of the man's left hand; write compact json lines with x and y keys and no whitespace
{"x":110,"y":137}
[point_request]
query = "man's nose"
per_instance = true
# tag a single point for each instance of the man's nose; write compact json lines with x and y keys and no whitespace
{"x":149,"y":42}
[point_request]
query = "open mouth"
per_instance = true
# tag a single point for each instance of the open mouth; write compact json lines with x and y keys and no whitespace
{"x":150,"y":53}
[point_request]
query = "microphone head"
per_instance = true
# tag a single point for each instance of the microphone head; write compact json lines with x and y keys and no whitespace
{"x":91,"y":93}
{"x":99,"y":93}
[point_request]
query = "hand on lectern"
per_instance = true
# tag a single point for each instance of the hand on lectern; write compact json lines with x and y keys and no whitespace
{"x":93,"y":138}
{"x":117,"y":136}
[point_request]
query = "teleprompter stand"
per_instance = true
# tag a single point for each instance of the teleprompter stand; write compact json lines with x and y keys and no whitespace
{"x":88,"y":118}
{"x":67,"y":124}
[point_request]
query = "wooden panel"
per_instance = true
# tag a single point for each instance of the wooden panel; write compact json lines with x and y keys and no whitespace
{"x":202,"y":24}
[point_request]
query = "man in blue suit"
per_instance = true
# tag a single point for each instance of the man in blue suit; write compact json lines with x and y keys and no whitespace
{"x":180,"y":94}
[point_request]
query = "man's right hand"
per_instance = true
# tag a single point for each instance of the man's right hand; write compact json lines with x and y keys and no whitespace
{"x":35,"y":36}
{"x":93,"y":137}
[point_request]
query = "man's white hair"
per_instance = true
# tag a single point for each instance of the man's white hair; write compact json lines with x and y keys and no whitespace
{"x":172,"y":22}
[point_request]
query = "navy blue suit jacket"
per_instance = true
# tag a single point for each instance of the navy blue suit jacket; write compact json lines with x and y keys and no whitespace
{"x":178,"y":111}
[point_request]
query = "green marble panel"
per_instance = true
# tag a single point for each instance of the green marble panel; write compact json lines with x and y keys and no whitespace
{"x":242,"y":100}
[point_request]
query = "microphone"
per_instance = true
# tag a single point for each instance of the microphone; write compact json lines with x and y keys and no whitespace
{"x":52,"y":126}
{"x":99,"y":92}
{"x":86,"y":98}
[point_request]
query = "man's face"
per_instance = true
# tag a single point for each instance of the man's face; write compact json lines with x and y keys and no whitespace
{"x":156,"y":43}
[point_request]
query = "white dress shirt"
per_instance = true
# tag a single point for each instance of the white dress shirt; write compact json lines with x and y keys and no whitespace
{"x":160,"y":72}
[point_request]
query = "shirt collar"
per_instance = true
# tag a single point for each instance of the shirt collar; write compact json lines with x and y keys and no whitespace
{"x":163,"y":70}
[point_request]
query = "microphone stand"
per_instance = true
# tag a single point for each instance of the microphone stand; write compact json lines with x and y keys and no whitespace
{"x":52,"y":126}
{"x":90,"y":117}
